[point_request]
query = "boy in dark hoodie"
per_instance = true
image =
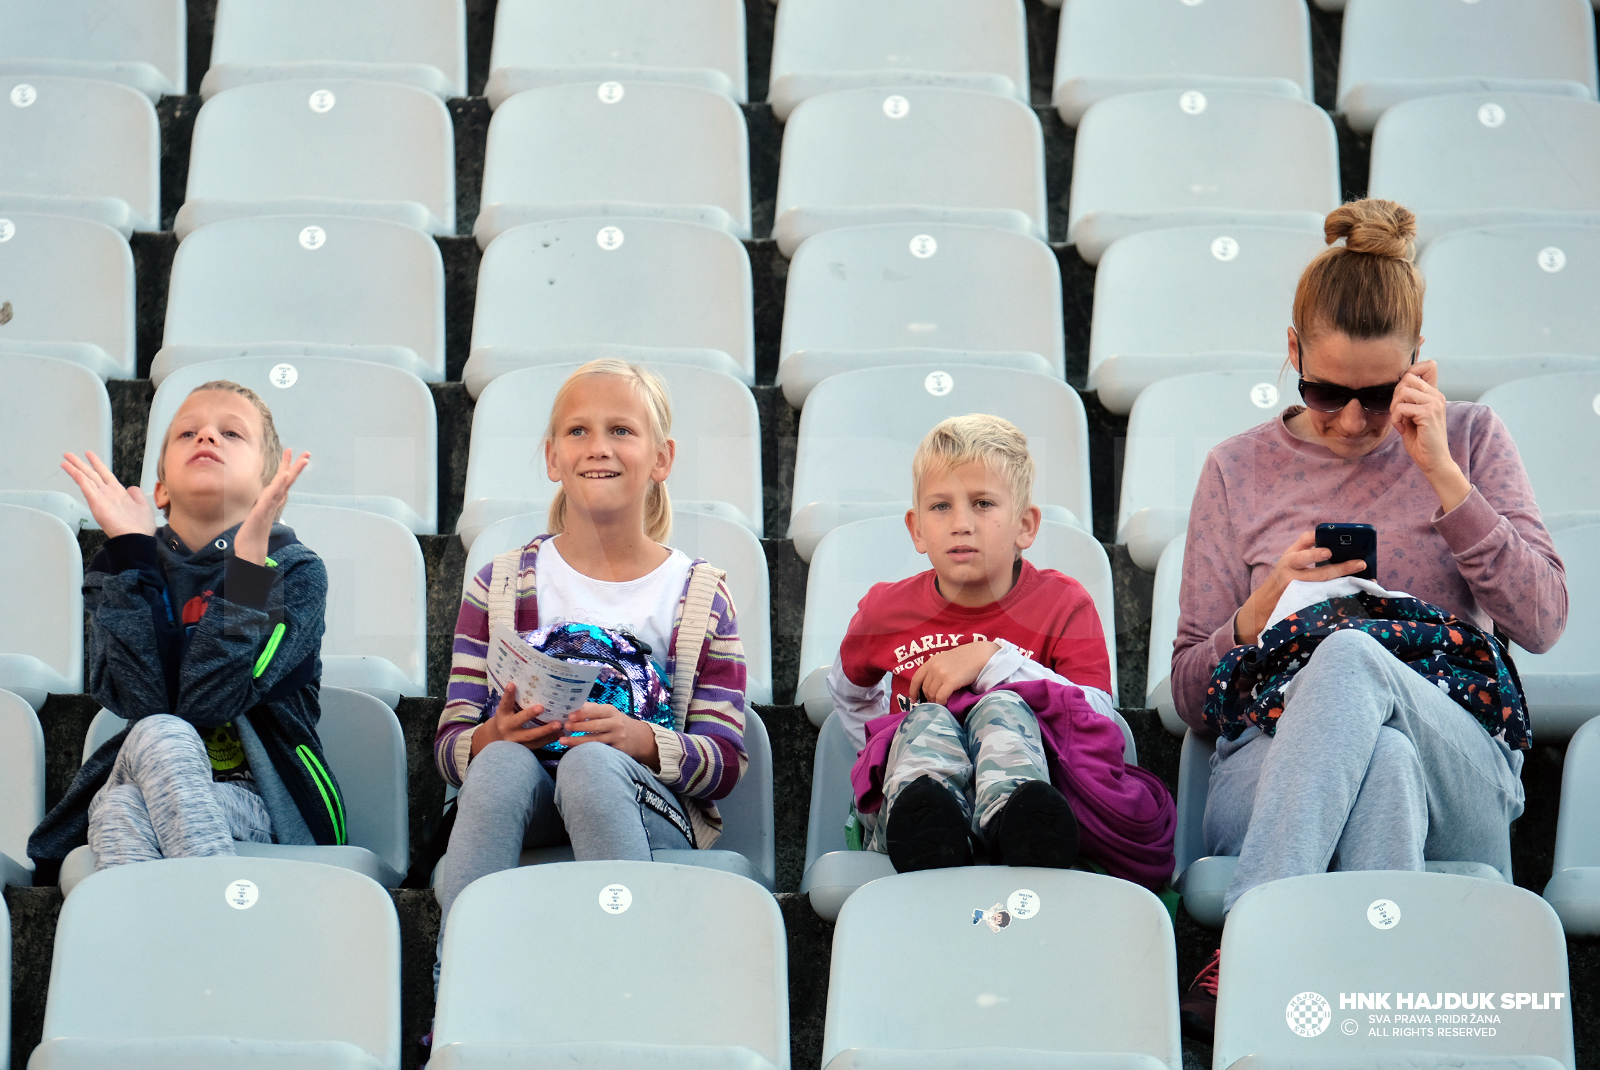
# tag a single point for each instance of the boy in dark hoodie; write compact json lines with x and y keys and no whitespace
{"x":205,"y":634}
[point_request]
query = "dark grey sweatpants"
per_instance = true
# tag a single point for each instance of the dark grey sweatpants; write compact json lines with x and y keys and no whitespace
{"x":1371,"y":767}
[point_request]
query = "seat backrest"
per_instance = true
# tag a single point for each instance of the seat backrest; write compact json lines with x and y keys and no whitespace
{"x":549,"y":35}
{"x":924,"y":286}
{"x":1512,"y":289}
{"x":850,"y":559}
{"x":339,"y":280}
{"x":860,"y":429}
{"x":334,"y":138}
{"x":1345,"y":967}
{"x":112,"y":981}
{"x":85,"y":140}
{"x":918,"y":147}
{"x":1196,"y":291}
{"x":894,"y":983}
{"x":1176,"y":422}
{"x":21,"y":778}
{"x":112,"y":33}
{"x":1491,"y":153}
{"x":729,"y":546}
{"x":1555,"y":422}
{"x":69,"y":283}
{"x":715,"y":425}
{"x":59,"y":406}
{"x":656,"y":283}
{"x":723,"y":930}
{"x":1523,"y":40}
{"x":747,"y":818}
{"x":366,"y":750}
{"x":5,"y":980}
{"x":377,"y":585}
{"x":1577,"y":835}
{"x":371,"y":429}
{"x":41,"y":568}
{"x":619,"y":148}
{"x":414,"y":32}
{"x":1164,"y":618}
{"x":1573,"y":653}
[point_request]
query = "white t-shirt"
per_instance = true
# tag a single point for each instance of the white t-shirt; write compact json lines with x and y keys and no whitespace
{"x":645,"y":607}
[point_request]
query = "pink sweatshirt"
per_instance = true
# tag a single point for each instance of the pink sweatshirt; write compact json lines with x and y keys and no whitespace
{"x":1489,"y":560}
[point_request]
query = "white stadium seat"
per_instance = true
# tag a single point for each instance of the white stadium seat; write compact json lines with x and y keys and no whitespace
{"x":142,"y":44}
{"x":61,"y":407}
{"x":69,"y":289}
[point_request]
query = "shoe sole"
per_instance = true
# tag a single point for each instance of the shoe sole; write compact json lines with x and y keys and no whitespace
{"x":927,"y":829}
{"x":1038,"y":828}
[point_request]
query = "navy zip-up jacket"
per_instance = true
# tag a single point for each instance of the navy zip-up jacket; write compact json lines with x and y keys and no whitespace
{"x":209,"y":638}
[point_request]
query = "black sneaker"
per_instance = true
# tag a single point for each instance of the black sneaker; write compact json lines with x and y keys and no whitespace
{"x":1197,"y":1010}
{"x":1035,"y":828}
{"x":927,"y":828}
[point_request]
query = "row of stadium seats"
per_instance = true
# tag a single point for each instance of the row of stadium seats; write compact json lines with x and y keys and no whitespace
{"x":894,"y":998}
{"x":1142,"y":161}
{"x":1392,"y":50}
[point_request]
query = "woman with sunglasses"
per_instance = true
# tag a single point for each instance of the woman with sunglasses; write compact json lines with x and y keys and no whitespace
{"x":1371,"y":766}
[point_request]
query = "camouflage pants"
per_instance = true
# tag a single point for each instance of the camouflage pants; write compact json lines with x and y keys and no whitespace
{"x":982,"y":762}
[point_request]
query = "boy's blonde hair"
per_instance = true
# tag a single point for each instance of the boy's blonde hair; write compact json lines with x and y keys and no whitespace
{"x":271,"y":448}
{"x":658,"y":504}
{"x":977,"y":437}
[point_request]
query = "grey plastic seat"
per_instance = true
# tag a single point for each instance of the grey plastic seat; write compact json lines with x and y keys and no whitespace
{"x":850,"y":559}
{"x":924,"y":294}
{"x":41,"y":567}
{"x":377,"y":611}
{"x":1164,"y":617}
{"x":820,"y":46}
{"x":1203,"y":879}
{"x":833,"y":871}
{"x":370,"y":428}
{"x":608,"y":913}
{"x":1408,"y":935}
{"x":1107,"y":47}
{"x":1192,"y":299}
{"x":297,"y":285}
{"x":1397,"y":50}
{"x":1472,"y":159}
{"x":59,"y":406}
{"x":549,"y":42}
{"x":1511,"y":301}
{"x":714,"y":421}
{"x":69,"y":291}
{"x":132,"y":996}
{"x":859,"y":430}
{"x":21,"y":792}
{"x":626,"y":149}
{"x":1172,"y":426}
{"x":335,"y":146}
{"x":142,"y":44}
{"x":1574,"y":888}
{"x":5,"y":980}
{"x":725,"y":543}
{"x":917,"y":981}
{"x":80,"y":147}
{"x":1562,"y":685}
{"x":366,"y":750}
{"x":1555,"y":422}
{"x":913,"y":155}
{"x":421,"y":43}
{"x":1213,"y":157}
{"x":572,"y":290}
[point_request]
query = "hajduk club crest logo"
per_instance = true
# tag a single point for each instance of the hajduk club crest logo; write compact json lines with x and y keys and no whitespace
{"x":1308,"y":1014}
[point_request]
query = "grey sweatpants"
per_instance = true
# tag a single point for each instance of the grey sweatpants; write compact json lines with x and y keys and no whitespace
{"x":161,"y":800}
{"x":1371,"y":767}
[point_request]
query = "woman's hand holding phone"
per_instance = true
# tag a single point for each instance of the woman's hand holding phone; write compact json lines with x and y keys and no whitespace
{"x":507,"y":724}
{"x":1302,"y":561}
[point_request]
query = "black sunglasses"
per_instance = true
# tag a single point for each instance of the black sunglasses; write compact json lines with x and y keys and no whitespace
{"x":1331,"y":397}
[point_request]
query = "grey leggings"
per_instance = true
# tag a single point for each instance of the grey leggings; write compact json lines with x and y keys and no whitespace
{"x":161,"y":800}
{"x":1372,"y":767}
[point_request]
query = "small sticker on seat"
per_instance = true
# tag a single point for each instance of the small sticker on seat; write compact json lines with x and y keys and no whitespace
{"x":283,"y":376}
{"x":313,"y":237}
{"x":938,"y":383}
{"x":1552,"y":259}
{"x":241,"y":895}
{"x":923,"y":246}
{"x":1224,"y":249}
{"x":615,"y":898}
{"x":1193,"y":102}
{"x":609,"y":238}
{"x":24,"y":95}
{"x":1491,"y":115}
{"x":322,"y":100}
{"x":896,"y":107}
{"x":609,"y":92}
{"x":1264,"y":395}
{"x":7,"y":229}
{"x":1383,"y":913}
{"x":1023,"y":904}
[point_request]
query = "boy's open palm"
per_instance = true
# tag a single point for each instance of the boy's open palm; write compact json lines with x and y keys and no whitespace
{"x":251,"y":542}
{"x":117,"y":509}
{"x":949,"y":671}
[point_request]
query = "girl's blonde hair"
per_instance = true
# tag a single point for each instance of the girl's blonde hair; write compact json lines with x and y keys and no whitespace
{"x":1368,"y":287}
{"x":657,"y":503}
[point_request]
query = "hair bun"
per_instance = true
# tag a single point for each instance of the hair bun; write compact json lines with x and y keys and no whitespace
{"x":1378,"y":228}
